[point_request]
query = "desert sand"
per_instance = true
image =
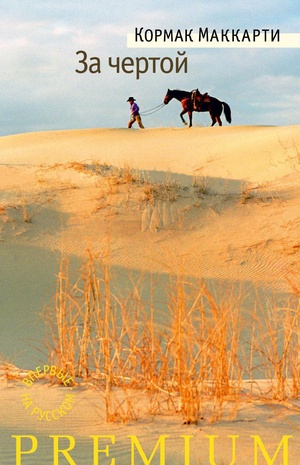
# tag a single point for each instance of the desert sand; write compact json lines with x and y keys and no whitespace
{"x":220,"y":204}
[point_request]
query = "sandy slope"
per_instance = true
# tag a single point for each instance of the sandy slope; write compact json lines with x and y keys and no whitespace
{"x":214,"y":203}
{"x":241,"y":212}
{"x":268,"y":421}
{"x":253,"y":152}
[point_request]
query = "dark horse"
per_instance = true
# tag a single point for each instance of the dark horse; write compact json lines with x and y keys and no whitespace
{"x":195,"y":101}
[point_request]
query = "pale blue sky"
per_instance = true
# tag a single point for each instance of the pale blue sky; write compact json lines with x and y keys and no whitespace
{"x":40,"y":89}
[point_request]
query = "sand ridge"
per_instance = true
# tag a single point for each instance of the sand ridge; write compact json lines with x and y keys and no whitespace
{"x":220,"y":204}
{"x":225,"y":210}
{"x":211,"y":195}
{"x":250,"y":152}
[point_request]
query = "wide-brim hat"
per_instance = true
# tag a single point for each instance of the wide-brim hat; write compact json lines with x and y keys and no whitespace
{"x":131,"y":98}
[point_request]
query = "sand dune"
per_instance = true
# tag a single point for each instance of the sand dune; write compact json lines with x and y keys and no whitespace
{"x":250,"y":152}
{"x":235,"y":202}
{"x":216,"y":203}
{"x":220,"y":204}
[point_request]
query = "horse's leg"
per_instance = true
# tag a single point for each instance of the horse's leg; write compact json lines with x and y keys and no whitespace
{"x":191,"y":118}
{"x":213,"y":118}
{"x":218,"y":113}
{"x":181,"y":116}
{"x":215,"y":111}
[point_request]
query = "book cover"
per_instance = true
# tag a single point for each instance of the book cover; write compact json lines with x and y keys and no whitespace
{"x":149,"y":233}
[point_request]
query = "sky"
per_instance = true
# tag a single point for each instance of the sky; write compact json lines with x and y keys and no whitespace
{"x":40,"y":89}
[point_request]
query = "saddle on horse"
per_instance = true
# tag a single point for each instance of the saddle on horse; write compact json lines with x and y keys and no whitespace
{"x":199,"y":99}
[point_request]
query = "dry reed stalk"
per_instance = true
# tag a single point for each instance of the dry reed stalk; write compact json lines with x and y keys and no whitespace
{"x":115,"y":340}
{"x":295,"y":345}
{"x":27,"y":218}
{"x":64,"y":323}
{"x":295,"y":356}
{"x":181,"y":348}
{"x":275,"y":343}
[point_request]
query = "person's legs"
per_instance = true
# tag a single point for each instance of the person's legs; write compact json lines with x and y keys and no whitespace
{"x":130,"y":123}
{"x":139,"y":121}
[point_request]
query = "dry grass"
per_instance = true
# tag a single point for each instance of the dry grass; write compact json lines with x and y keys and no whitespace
{"x":275,"y":345}
{"x":246,"y":193}
{"x":166,"y":191}
{"x":201,"y":185}
{"x":207,"y":347}
{"x":27,"y":217}
{"x":200,"y":358}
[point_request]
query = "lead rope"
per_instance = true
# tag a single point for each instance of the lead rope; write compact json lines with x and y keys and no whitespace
{"x":152,"y":110}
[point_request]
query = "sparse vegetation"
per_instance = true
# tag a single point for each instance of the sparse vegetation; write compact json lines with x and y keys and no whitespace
{"x":246,"y":194}
{"x":197,"y":360}
{"x":27,"y":217}
{"x":201,"y":185}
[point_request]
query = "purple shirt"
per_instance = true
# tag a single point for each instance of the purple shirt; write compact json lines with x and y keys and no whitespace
{"x":134,"y":108}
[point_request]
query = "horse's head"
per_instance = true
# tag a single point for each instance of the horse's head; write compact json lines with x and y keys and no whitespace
{"x":168,"y":97}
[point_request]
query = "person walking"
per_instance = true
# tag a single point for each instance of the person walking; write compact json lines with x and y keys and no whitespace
{"x":135,"y":115}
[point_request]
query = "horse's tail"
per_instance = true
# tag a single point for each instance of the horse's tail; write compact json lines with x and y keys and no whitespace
{"x":227,"y":111}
